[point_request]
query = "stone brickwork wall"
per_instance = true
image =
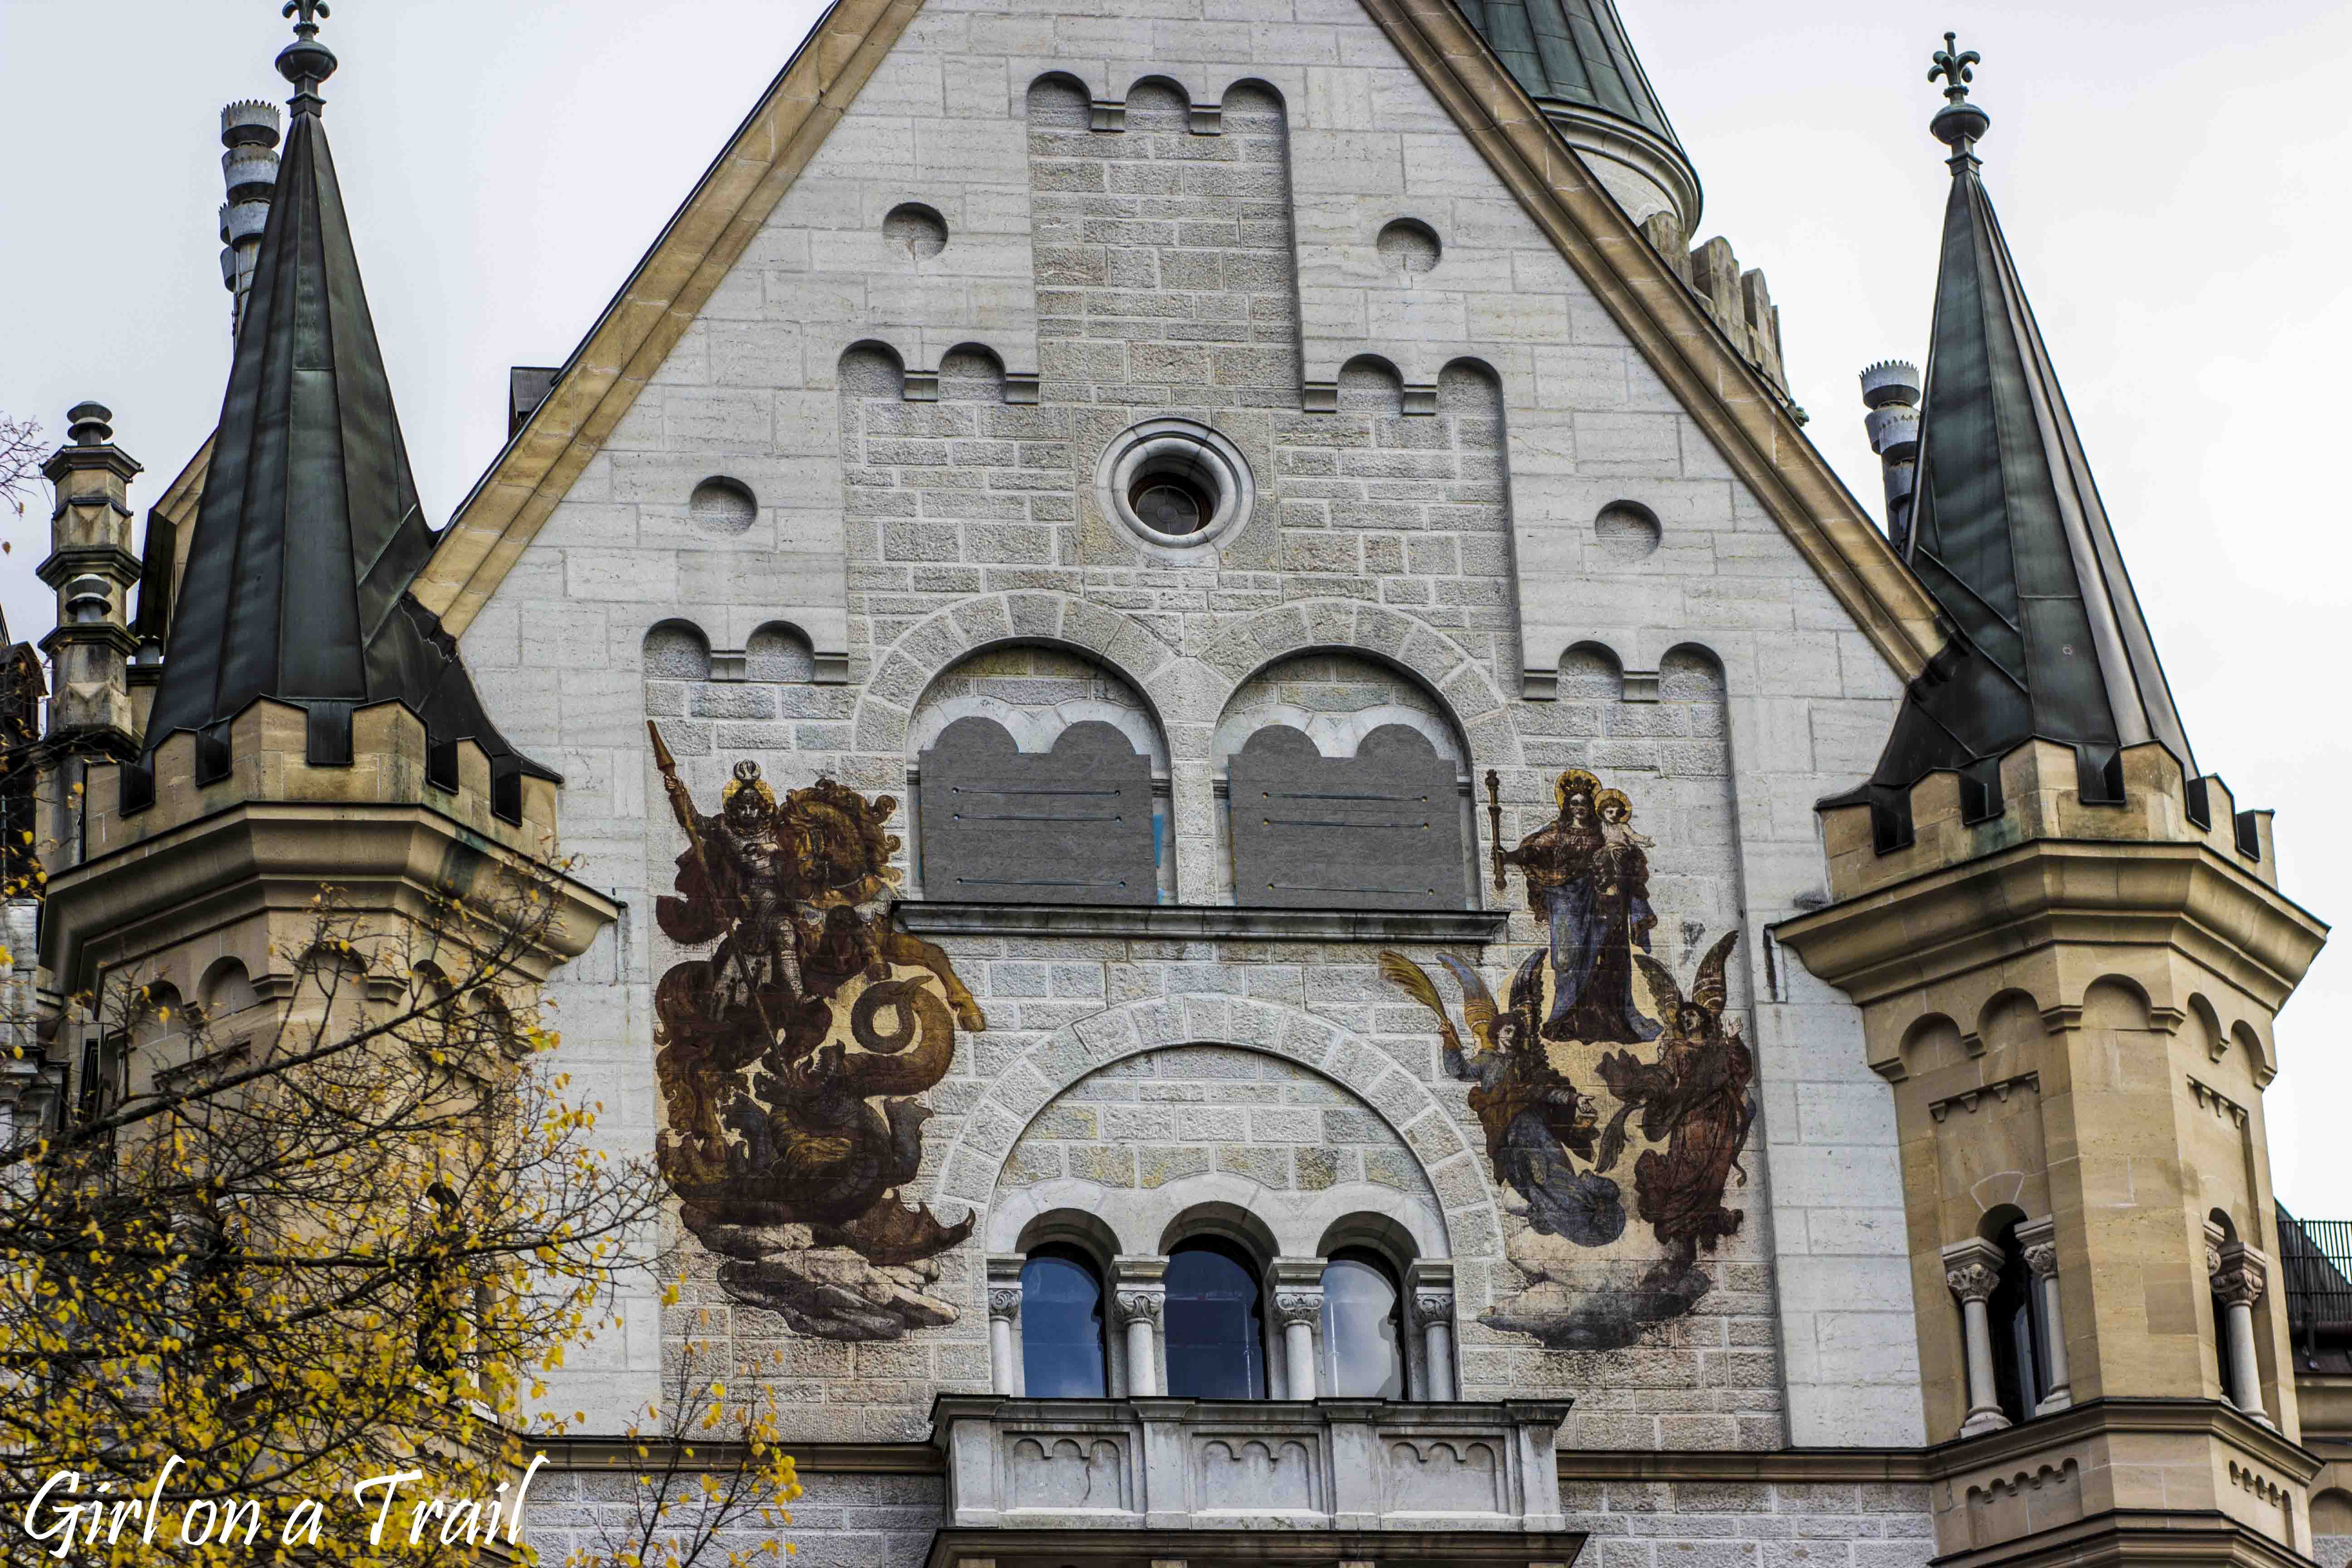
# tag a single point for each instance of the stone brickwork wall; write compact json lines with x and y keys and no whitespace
{"x":1749,"y":1524}
{"x":839,"y":1521}
{"x":913,"y":511}
{"x":1157,"y":1119}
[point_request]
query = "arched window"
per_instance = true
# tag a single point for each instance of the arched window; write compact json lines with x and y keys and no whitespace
{"x":1217,"y":1340}
{"x":1363,"y":1328}
{"x":1062,"y":1326}
{"x":2020,"y":1380}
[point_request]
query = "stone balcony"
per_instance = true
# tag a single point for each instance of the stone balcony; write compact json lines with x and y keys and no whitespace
{"x":1225,"y":1465}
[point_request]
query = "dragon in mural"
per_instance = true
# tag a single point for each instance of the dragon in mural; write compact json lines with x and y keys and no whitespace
{"x":1545,"y":1067}
{"x":790,"y":1056}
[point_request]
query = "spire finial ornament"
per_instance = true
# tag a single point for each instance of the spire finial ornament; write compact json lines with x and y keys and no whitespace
{"x":1959,"y":124}
{"x":306,"y":62}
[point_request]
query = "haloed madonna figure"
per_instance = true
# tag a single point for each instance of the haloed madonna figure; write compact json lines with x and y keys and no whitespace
{"x":1589,"y":879}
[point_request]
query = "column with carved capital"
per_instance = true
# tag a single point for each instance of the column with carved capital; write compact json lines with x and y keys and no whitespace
{"x":2239,"y":1273}
{"x":1972,"y":1268}
{"x":2040,"y":1239}
{"x":1139,"y":1299}
{"x":1433,"y":1312}
{"x":1429,"y":1307}
{"x":1299,"y":1310}
{"x":1003,"y":1323}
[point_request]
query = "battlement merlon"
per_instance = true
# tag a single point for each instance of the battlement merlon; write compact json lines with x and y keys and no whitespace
{"x":2050,"y":895}
{"x":2040,"y":797}
{"x":254,"y":848}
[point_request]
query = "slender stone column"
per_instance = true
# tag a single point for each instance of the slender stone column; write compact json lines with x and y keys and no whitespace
{"x":1299,"y":1310}
{"x":2239,"y":1275}
{"x":1433,"y":1311}
{"x":2040,"y":1239}
{"x":1003,"y":1325}
{"x":1139,"y":1299}
{"x":1972,"y":1269}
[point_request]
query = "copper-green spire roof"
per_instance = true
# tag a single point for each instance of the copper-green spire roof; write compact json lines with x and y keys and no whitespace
{"x":310,"y":534}
{"x":2009,"y":532}
{"x":1570,"y":51}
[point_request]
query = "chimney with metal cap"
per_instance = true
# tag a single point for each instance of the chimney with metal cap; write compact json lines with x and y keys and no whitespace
{"x":249,"y":166}
{"x":1890,"y":390}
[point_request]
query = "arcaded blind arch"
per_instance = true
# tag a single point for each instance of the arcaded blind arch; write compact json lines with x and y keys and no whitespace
{"x":1040,"y":775}
{"x":1346,"y":786}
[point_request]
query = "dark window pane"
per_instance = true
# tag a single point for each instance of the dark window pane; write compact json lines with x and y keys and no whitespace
{"x":1061,"y":1327}
{"x":1214,"y":1346}
{"x":2016,"y":1349}
{"x":1362,"y":1356}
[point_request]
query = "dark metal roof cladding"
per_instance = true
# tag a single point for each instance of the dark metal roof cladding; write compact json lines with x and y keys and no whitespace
{"x":1573,"y":51}
{"x":2010,"y":535}
{"x":310,"y":533}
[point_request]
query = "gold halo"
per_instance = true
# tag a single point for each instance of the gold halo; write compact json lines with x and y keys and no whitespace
{"x":756,"y":785}
{"x":1571,"y":780}
{"x":1619,"y":796}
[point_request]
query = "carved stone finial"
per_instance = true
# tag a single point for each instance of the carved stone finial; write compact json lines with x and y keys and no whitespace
{"x":1960,"y":124}
{"x":306,"y":62}
{"x":1953,"y":67}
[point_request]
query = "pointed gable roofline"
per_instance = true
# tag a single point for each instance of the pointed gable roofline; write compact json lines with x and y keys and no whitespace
{"x":1740,"y":414}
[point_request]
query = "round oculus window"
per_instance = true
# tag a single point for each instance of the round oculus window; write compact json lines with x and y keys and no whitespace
{"x":1175,"y":483}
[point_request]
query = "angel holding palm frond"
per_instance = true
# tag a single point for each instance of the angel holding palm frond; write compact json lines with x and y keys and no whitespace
{"x":1693,"y":1098}
{"x":1538,"y":1124}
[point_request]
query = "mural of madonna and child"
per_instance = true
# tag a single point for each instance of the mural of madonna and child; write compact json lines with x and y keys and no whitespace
{"x":1562,"y":1101}
{"x":789,"y":1056}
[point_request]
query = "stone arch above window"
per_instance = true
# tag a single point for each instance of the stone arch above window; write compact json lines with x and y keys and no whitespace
{"x":1040,"y":776}
{"x":1345,"y":789}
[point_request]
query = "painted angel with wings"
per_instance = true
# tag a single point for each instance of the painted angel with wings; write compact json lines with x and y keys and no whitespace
{"x":1693,"y":1098}
{"x":1538,"y":1124}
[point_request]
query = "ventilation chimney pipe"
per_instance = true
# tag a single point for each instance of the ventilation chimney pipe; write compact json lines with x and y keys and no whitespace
{"x":249,"y":167}
{"x":1890,"y":390}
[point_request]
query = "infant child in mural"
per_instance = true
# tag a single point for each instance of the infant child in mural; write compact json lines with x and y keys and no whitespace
{"x":789,"y":1056}
{"x":1588,"y":880}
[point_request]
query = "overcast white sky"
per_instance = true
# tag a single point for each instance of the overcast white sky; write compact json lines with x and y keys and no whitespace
{"x":2171,"y":177}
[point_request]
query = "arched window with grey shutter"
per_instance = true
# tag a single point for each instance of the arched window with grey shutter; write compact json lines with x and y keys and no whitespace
{"x":1073,"y":825}
{"x":1377,"y":830}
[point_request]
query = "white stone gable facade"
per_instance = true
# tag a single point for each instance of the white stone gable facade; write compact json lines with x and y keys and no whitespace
{"x":1473,"y":514}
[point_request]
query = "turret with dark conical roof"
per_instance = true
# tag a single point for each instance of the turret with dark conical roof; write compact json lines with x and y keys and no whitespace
{"x":2009,"y":534}
{"x":2069,"y":951}
{"x":1574,"y":59}
{"x":310,"y":535}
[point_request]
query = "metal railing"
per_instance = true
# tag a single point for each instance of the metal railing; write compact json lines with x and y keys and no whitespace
{"x":2316,"y":1270}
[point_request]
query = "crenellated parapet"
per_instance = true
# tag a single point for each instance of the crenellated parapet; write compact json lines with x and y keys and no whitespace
{"x":231,"y":868}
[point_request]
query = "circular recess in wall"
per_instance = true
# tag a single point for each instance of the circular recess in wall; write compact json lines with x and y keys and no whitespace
{"x":1411,"y":247}
{"x":1174,"y":483}
{"x":1627,"y":530}
{"x":724,"y":505}
{"x":916,"y":229}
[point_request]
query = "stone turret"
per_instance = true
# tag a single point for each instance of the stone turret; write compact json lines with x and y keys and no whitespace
{"x":1890,"y":391}
{"x":249,"y":169}
{"x":92,"y":568}
{"x":2070,"y":951}
{"x":312,"y":727}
